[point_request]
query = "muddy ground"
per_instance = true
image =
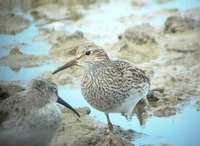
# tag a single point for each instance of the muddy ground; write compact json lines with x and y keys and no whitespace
{"x":170,"y":55}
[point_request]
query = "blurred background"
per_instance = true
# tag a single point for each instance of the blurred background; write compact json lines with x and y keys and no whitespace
{"x":160,"y":36}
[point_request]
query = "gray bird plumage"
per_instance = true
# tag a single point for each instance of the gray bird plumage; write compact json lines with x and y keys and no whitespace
{"x":30,"y":117}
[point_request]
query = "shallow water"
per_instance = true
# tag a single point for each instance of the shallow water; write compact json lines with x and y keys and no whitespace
{"x":26,"y":40}
{"x":24,"y":74}
{"x":102,"y":23}
{"x":157,"y":130}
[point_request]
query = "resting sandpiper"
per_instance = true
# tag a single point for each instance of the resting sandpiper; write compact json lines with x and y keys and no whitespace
{"x":110,"y":86}
{"x":31,"y":117}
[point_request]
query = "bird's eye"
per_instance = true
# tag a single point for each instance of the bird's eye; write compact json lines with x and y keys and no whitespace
{"x":54,"y":89}
{"x":87,"y":52}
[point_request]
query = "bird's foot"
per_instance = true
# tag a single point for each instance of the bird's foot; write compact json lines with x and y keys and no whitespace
{"x":115,"y":140}
{"x":110,"y":127}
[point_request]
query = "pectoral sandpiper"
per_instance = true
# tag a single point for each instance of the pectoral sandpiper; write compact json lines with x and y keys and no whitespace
{"x":110,"y":86}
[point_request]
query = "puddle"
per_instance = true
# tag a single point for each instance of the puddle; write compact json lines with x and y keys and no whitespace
{"x":172,"y":130}
{"x":23,"y":74}
{"x":102,"y":24}
{"x":157,"y":130}
{"x":181,"y":4}
{"x":4,"y":52}
{"x":26,"y":37}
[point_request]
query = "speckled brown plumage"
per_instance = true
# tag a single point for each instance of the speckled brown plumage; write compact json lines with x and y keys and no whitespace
{"x":106,"y":84}
{"x":110,"y":86}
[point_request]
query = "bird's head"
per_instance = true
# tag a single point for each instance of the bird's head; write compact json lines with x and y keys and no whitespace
{"x":85,"y":58}
{"x":49,"y":93}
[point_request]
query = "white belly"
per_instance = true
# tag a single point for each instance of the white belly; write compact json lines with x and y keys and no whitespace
{"x":130,"y":102}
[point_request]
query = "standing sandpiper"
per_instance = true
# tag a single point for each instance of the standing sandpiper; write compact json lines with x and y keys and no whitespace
{"x":110,"y":86}
{"x":31,"y":117}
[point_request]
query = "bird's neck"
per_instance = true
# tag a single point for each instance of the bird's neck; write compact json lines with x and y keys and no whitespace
{"x":94,"y":67}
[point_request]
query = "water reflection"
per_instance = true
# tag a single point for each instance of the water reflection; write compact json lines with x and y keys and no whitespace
{"x":102,"y":23}
{"x":4,"y":52}
{"x":173,"y":129}
{"x":23,"y":74}
{"x":157,"y":130}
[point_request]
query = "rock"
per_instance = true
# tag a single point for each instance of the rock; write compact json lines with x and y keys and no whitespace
{"x":67,"y":44}
{"x":141,"y":112}
{"x":138,"y":44}
{"x":139,"y":3}
{"x":165,"y":112}
{"x":154,"y":94}
{"x":56,"y":11}
{"x":15,"y":51}
{"x":87,"y":132}
{"x":163,"y":1}
{"x":84,"y":110}
{"x":164,"y":12}
{"x":141,"y":34}
{"x":12,"y":24}
{"x":193,"y":13}
{"x":113,"y":140}
{"x":175,"y":24}
{"x":48,"y":11}
{"x":16,"y":60}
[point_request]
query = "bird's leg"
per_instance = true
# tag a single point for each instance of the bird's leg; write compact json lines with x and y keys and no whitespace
{"x":113,"y":139}
{"x":110,"y":126}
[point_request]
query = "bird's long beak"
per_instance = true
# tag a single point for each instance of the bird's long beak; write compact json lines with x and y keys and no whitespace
{"x":67,"y":65}
{"x":61,"y":101}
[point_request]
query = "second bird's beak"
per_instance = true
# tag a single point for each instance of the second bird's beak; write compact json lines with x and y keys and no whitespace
{"x":64,"y":103}
{"x":60,"y":100}
{"x":67,"y":65}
